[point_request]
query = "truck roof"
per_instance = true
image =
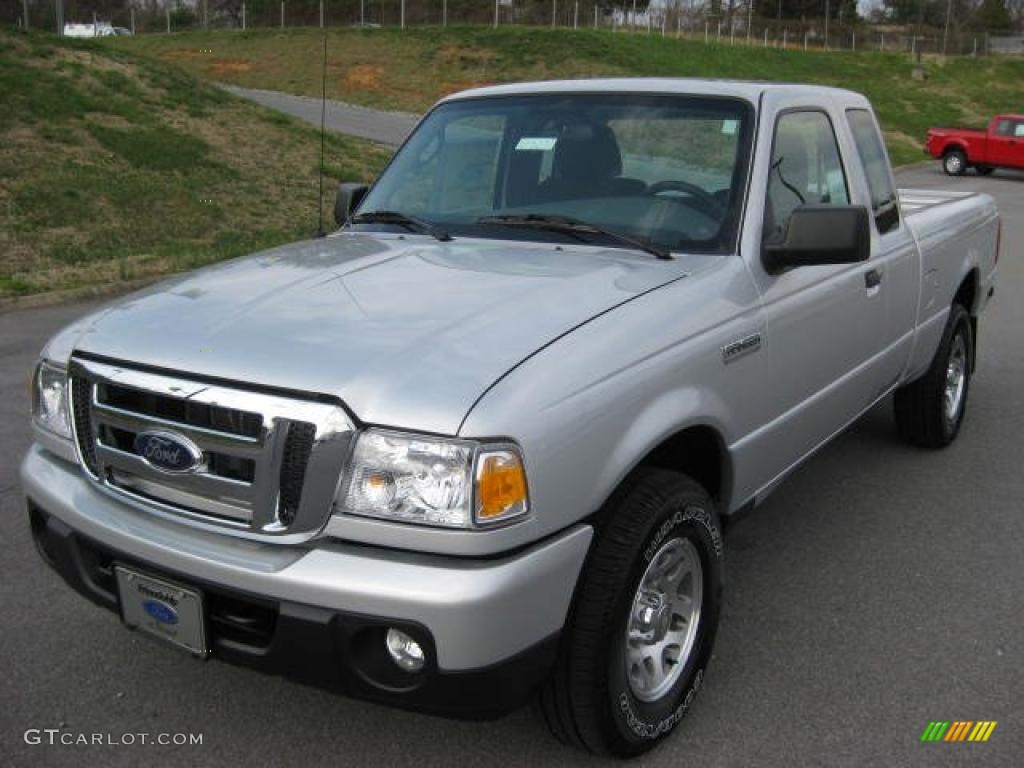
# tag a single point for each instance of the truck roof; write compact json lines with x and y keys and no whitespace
{"x":750,"y":90}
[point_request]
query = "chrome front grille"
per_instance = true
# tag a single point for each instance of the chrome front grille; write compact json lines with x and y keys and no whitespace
{"x":270,"y":463}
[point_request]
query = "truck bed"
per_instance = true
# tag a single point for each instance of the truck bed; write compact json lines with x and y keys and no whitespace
{"x":914,"y":201}
{"x":959,"y":129}
{"x":939,"y":219}
{"x":947,"y":226}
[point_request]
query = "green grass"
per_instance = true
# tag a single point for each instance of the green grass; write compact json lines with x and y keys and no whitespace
{"x":116,"y":167}
{"x":410,"y":69}
{"x":157,"y":147}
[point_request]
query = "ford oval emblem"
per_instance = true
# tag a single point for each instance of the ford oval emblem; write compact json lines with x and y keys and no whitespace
{"x":161,"y":611}
{"x":168,"y":452}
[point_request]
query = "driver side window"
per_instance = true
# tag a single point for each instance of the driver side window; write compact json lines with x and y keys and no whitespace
{"x":805,"y":169}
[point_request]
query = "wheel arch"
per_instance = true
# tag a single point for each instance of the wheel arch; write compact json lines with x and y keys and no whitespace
{"x":967,"y":295}
{"x":954,"y":146}
{"x":697,"y":450}
{"x":967,"y":292}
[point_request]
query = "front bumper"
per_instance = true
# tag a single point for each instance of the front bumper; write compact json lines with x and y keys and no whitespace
{"x":318,"y":613}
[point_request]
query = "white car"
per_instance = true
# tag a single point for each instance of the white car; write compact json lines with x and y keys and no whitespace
{"x":99,"y":29}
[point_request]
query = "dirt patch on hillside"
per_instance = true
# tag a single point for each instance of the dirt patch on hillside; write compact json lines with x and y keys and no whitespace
{"x":228,"y":67}
{"x":364,"y":77}
{"x":108,"y":121}
{"x":455,"y":56}
{"x":463,"y":85}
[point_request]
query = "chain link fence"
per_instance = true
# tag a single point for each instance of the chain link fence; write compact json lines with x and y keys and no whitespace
{"x":673,"y":19}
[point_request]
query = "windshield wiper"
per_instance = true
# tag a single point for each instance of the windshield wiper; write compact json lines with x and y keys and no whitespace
{"x":572,"y":226}
{"x":411,"y":223}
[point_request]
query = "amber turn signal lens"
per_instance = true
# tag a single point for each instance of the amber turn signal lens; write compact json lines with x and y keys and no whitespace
{"x":500,"y":486}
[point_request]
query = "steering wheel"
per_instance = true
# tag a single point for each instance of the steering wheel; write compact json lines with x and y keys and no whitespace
{"x":703,"y":200}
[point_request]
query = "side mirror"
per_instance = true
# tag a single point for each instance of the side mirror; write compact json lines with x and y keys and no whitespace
{"x":348,"y":197}
{"x":821,"y":234}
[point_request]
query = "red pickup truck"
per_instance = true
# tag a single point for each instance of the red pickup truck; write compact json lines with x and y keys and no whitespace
{"x":1001,"y":146}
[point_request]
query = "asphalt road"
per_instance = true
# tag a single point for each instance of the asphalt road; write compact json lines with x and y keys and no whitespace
{"x":881,"y":587}
{"x":389,"y":128}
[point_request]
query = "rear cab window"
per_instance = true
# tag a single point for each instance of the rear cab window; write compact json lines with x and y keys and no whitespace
{"x":875,"y":162}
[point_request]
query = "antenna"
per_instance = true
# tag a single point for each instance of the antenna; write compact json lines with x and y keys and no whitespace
{"x":323,"y":130}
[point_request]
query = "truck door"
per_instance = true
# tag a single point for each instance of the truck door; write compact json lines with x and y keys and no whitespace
{"x":894,"y":254}
{"x":824,"y":325}
{"x":1006,"y":143}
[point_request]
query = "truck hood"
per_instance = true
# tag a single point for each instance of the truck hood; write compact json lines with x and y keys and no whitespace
{"x":408,"y":332}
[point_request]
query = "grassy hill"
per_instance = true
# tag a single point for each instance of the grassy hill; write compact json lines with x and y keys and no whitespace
{"x":409,"y":69}
{"x":115,"y":167}
{"x":118,"y":163}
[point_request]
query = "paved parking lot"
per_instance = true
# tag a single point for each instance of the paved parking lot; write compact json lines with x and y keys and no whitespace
{"x":880,"y":588}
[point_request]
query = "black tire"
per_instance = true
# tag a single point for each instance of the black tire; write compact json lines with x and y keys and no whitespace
{"x":954,"y":162}
{"x":984,"y":170}
{"x":588,"y":701}
{"x":922,"y":416}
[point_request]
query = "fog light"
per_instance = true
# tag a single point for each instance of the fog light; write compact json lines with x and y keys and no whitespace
{"x":405,"y":651}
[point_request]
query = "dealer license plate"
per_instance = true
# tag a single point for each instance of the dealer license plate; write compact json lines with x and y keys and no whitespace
{"x":163,"y":609}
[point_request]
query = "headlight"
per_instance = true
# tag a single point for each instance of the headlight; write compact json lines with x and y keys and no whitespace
{"x":434,"y":481}
{"x":50,"y":399}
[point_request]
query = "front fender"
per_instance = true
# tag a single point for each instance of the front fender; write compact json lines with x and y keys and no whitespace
{"x":588,"y":409}
{"x":675,"y":411}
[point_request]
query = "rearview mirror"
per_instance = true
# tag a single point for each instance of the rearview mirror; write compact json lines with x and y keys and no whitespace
{"x":349,"y":195}
{"x":821,"y":234}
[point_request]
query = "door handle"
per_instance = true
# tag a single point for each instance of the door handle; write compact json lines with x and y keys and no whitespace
{"x":872,"y":279}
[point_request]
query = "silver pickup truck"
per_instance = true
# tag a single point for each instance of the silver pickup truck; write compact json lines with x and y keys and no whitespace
{"x":479,"y":442}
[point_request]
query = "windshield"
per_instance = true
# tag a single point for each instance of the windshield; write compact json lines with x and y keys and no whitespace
{"x":662,"y":169}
